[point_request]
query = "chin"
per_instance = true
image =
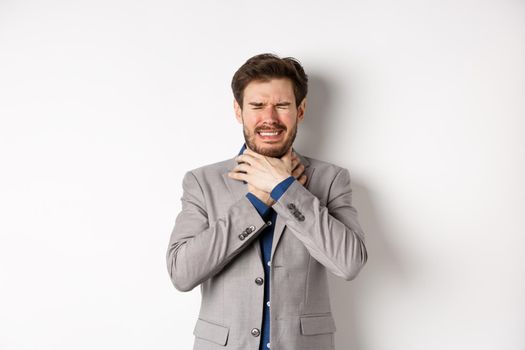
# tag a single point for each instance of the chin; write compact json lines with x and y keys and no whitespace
{"x":274,"y":151}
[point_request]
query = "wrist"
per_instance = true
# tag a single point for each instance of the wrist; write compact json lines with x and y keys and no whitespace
{"x":266,"y":199}
{"x":262,"y":196}
{"x":278,"y":181}
{"x":281,"y":187}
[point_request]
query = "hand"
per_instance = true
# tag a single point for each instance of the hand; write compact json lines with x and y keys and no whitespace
{"x":297,"y":172}
{"x":264,"y":196}
{"x":263,"y":173}
{"x":298,"y":169}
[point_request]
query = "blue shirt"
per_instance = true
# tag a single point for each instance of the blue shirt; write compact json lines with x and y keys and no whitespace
{"x":265,"y":240}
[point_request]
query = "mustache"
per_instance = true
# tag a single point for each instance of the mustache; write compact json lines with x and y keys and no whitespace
{"x":277,"y":127}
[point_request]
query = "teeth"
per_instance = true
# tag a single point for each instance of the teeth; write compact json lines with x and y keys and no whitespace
{"x":275,"y":133}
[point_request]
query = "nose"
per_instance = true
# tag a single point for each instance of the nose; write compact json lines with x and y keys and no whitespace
{"x":270,"y":113}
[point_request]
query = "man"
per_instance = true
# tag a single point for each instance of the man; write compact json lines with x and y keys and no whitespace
{"x":258,"y":232}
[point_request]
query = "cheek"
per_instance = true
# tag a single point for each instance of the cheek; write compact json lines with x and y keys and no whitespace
{"x":288,"y":118}
{"x":251,"y":119}
{"x":249,"y":125}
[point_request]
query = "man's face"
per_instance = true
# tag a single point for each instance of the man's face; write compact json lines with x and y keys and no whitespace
{"x":269,"y":116}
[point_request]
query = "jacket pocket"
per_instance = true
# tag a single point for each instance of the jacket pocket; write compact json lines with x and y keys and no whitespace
{"x":212,"y":332}
{"x":317,"y":324}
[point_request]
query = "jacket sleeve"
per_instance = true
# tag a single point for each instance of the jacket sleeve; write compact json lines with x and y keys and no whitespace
{"x":331,"y":234}
{"x":198,"y":249}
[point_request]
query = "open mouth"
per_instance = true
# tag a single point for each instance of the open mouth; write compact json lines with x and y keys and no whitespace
{"x":270,"y":135}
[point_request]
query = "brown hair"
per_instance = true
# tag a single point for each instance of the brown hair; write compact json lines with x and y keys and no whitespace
{"x":266,"y":66}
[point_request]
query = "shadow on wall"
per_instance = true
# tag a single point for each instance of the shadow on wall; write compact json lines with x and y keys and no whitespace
{"x":347,"y":298}
{"x":313,"y":132}
{"x":383,"y":262}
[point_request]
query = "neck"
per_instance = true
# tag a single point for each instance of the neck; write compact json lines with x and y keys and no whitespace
{"x":289,"y":151}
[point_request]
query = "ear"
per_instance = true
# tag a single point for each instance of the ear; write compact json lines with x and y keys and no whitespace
{"x":238,"y":111}
{"x":300,"y":110}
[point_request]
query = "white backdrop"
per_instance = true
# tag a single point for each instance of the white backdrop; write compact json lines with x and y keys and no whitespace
{"x":105,"y":104}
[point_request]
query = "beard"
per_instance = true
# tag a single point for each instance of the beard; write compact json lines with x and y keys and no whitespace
{"x":271,"y":151}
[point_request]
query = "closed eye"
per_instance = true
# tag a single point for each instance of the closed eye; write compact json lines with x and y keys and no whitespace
{"x":256,"y":105}
{"x":283,"y":105}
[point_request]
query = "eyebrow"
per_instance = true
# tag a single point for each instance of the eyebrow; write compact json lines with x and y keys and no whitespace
{"x":260,"y":104}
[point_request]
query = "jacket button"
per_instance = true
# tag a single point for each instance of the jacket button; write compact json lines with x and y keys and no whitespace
{"x":291,"y":206}
{"x":259,"y":281}
{"x":250,"y":229}
{"x":242,"y":236}
{"x":255,"y":332}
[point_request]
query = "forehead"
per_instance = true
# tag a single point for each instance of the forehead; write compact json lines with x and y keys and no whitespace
{"x":273,"y":89}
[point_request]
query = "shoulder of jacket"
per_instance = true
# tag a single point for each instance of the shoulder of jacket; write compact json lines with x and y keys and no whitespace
{"x":324,"y":165}
{"x":217,"y":168}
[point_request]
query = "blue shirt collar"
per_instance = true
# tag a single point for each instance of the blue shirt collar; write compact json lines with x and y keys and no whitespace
{"x":242,"y":149}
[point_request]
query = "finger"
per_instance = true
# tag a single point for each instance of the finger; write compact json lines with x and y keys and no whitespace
{"x":246,"y":158}
{"x":243,"y":168}
{"x":297,"y":172}
{"x":238,"y":176}
{"x":295,"y":163}
{"x":262,"y":163}
{"x":302,"y":179}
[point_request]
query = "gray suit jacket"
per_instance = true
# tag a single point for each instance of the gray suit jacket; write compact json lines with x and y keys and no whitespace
{"x":214,"y":244}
